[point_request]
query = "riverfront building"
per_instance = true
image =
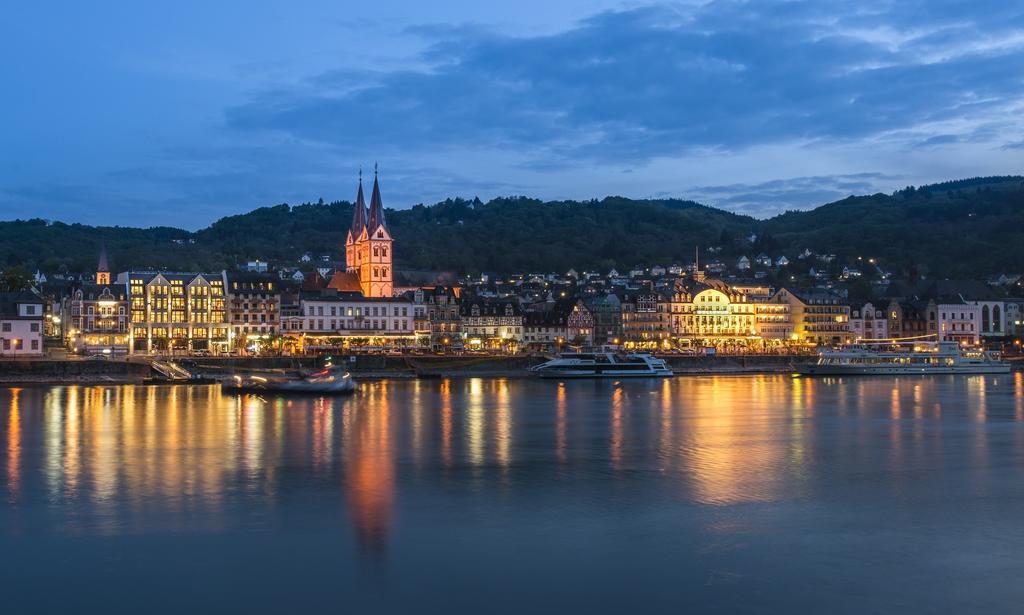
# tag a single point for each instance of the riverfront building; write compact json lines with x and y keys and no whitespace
{"x":21,"y":324}
{"x":176,"y":312}
{"x":869,"y":323}
{"x":254,"y":308}
{"x":709,"y":312}
{"x":347,"y":320}
{"x":492,"y":324}
{"x":646,"y":320}
{"x":437,"y":314}
{"x":97,"y":315}
{"x":818,"y":316}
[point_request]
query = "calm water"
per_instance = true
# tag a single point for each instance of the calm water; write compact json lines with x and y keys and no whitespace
{"x":711,"y":494}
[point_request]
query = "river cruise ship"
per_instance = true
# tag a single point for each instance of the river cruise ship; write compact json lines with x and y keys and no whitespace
{"x":602,"y":365}
{"x":918,"y":358}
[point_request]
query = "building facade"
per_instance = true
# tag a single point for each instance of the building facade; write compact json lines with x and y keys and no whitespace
{"x":606,"y":311}
{"x":869,"y":323}
{"x":176,"y":312}
{"x":331,"y":320}
{"x":957,"y":320}
{"x":439,"y":310}
{"x":579,"y":323}
{"x":646,"y":320}
{"x":98,"y":315}
{"x":819,"y":317}
{"x":495,"y":324}
{"x":253,"y":308}
{"x":21,"y":325}
{"x":708,"y":312}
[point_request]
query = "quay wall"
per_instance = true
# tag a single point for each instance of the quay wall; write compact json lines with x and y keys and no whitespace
{"x":45,"y":371}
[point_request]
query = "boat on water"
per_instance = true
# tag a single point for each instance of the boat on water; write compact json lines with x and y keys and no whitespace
{"x":916,"y":358}
{"x":328,"y":381}
{"x":602,"y":365}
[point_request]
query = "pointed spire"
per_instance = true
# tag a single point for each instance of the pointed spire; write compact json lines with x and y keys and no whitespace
{"x":103,"y":266}
{"x":359,"y":215}
{"x":376,"y":216}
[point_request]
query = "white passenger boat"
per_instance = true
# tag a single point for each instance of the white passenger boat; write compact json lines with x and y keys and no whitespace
{"x":602,"y":365}
{"x":919,"y":358}
{"x":328,"y":381}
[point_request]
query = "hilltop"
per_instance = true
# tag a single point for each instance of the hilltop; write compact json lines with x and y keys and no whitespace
{"x":963,"y":228}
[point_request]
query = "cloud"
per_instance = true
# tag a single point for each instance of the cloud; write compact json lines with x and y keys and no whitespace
{"x":668,"y":80}
{"x":765,"y":199}
{"x":710,"y":100}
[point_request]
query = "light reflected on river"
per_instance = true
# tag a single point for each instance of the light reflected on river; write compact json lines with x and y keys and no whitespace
{"x":404,"y":456}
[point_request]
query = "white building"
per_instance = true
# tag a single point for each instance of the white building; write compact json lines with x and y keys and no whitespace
{"x":869,"y":323}
{"x":958,"y":321}
{"x":21,"y":325}
{"x":993,"y":318}
{"x":332,"y":319}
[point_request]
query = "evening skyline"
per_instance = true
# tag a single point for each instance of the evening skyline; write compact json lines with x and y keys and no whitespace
{"x":178,"y":116}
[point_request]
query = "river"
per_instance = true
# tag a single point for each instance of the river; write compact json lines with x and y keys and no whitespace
{"x":742,"y":494}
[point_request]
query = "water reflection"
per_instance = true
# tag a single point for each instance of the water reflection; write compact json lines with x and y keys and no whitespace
{"x":125,"y":459}
{"x":370,"y":474}
{"x":14,"y":446}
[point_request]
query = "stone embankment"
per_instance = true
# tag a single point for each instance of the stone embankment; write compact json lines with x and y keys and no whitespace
{"x":67,"y":371}
{"x":366,"y":367}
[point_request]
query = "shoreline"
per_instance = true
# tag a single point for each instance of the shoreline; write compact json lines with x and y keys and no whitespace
{"x":364,"y":368}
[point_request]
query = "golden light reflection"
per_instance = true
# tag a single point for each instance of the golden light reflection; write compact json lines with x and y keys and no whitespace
{"x":14,"y":446}
{"x":895,"y":426}
{"x":617,"y":437}
{"x":502,"y":424}
{"x":370,"y":472}
{"x":446,"y":422}
{"x":1018,"y":396}
{"x":475,"y":418}
{"x":666,"y":435}
{"x":731,"y":446}
{"x":560,"y":419}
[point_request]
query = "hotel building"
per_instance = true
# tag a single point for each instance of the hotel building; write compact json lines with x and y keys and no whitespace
{"x":171,"y":312}
{"x":818,"y":316}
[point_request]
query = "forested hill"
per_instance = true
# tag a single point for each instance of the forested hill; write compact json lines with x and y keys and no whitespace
{"x":970,"y":227}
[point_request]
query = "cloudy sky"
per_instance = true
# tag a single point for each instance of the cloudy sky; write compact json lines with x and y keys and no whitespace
{"x":145,"y":113}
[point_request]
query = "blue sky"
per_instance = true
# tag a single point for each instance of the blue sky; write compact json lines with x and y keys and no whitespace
{"x":179,"y":113}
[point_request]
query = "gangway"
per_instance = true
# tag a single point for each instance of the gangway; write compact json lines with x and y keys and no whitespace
{"x":170,"y":370}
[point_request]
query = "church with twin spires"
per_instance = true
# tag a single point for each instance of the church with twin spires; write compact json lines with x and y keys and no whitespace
{"x":368,"y":248}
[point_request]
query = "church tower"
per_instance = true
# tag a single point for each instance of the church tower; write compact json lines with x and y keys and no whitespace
{"x":103,"y":269}
{"x":375,"y":266}
{"x":356,"y":231}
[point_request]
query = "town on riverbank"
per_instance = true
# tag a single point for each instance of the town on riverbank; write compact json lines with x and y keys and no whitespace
{"x":762,"y":312}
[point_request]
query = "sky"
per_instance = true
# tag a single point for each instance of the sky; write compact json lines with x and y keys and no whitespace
{"x":180,"y":113}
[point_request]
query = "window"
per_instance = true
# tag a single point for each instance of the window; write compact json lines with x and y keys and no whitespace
{"x":30,"y":310}
{"x":5,"y":327}
{"x":34,"y":327}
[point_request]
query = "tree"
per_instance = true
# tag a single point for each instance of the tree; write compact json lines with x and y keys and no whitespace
{"x":14,"y":279}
